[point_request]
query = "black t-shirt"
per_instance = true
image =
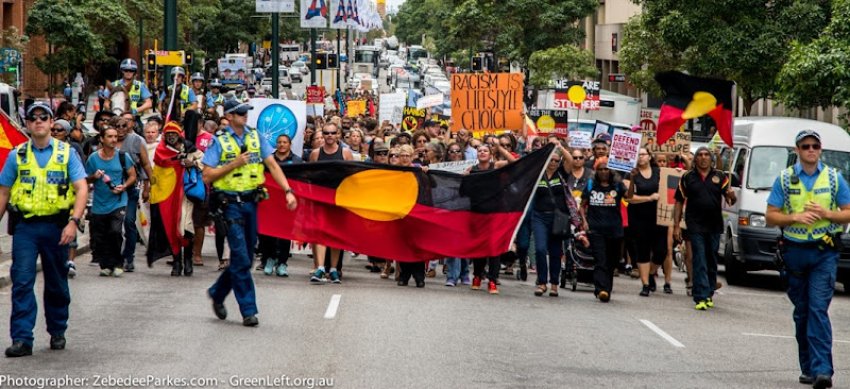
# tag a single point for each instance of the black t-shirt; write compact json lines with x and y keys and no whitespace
{"x":603,"y":208}
{"x":704,"y":207}
{"x":550,"y":193}
{"x":644,"y":214}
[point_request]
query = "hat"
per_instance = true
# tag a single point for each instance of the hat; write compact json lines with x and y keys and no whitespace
{"x":380,"y":147}
{"x":805,"y":134}
{"x":234,"y":106}
{"x":64,"y":123}
{"x":601,"y":161}
{"x":603,"y":137}
{"x":405,"y":133}
{"x":40,"y":105}
{"x":431,"y":123}
{"x":702,"y":148}
{"x":172,"y":127}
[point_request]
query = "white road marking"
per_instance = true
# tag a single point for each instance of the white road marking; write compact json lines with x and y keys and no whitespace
{"x":333,"y":306}
{"x":662,"y":334}
{"x":785,"y":337}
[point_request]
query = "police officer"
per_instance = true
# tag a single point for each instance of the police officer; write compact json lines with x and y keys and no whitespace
{"x":809,"y":202}
{"x":45,"y":183}
{"x":197,"y":81}
{"x":138,"y":93}
{"x":214,"y":97}
{"x":185,"y":95}
{"x":233,"y":164}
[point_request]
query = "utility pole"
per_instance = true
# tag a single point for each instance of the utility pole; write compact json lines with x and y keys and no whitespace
{"x":312,"y":56}
{"x":276,"y":55}
{"x":338,"y":62}
{"x":170,"y":33}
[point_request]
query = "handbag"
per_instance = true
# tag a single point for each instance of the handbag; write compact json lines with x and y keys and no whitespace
{"x":561,"y":226}
{"x":193,"y":185}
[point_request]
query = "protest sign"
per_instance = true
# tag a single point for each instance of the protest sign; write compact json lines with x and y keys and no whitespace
{"x":625,"y":146}
{"x":389,"y":104}
{"x":549,"y":121}
{"x":315,"y":94}
{"x":601,"y":128}
{"x":273,"y":117}
{"x":580,"y":139}
{"x":429,"y":101}
{"x":667,"y":196}
{"x":412,"y":119}
{"x":458,"y":167}
{"x":677,"y":143}
{"x":566,"y":91}
{"x":442,"y":119}
{"x":486,"y":101}
{"x":354,"y":108}
{"x":315,"y":110}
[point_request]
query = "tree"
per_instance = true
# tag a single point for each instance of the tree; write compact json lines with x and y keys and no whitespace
{"x":747,"y":41}
{"x":562,"y":62}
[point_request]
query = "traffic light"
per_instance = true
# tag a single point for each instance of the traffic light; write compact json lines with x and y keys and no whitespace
{"x":332,"y":62}
{"x":189,"y":56}
{"x":151,"y":62}
{"x":477,"y":64}
{"x":321,"y":61}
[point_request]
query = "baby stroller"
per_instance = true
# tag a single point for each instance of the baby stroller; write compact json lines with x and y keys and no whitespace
{"x":578,"y":267}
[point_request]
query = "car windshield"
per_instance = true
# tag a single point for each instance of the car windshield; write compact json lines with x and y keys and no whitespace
{"x":767,"y":162}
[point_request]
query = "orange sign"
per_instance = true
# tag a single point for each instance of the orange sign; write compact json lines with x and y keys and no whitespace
{"x":487,"y":101}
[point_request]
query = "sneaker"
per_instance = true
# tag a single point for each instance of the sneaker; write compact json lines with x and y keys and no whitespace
{"x":335,"y":277}
{"x":652,"y":286}
{"x":709,"y":302}
{"x":72,"y":269}
{"x":451,"y":282}
{"x":465,"y":280}
{"x":281,"y":270}
{"x":117,"y":272}
{"x":701,"y":306}
{"x":105,"y":272}
{"x":668,"y":289}
{"x":604,"y":296}
{"x":318,"y":277}
{"x":269,"y":268}
{"x":476,"y":283}
{"x":129,"y":268}
{"x":492,"y":288}
{"x":645,"y":291}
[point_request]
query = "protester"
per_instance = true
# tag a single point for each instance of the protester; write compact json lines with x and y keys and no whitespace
{"x":275,"y":251}
{"x":600,"y":205}
{"x":408,"y":269}
{"x":134,"y":146}
{"x":649,"y":237}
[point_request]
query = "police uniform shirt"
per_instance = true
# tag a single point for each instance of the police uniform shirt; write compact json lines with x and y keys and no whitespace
{"x":777,"y":194}
{"x":212,"y":156}
{"x":192,"y":98}
{"x":210,"y":99}
{"x":704,"y":195}
{"x":143,"y":91}
{"x":42,"y":156}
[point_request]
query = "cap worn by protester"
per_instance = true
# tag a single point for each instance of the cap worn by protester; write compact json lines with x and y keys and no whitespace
{"x":40,"y":105}
{"x":806,"y":134}
{"x":64,"y":124}
{"x":405,"y":134}
{"x":233,"y":106}
{"x":431,"y":123}
{"x":703,"y":148}
{"x":601,"y":161}
{"x":380,"y":147}
{"x":172,"y":127}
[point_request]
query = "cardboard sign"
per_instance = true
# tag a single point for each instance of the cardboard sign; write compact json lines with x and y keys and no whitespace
{"x":354,"y":108}
{"x":625,"y":146}
{"x":429,"y":101}
{"x":563,"y":94}
{"x":366,"y":85}
{"x":391,"y":107}
{"x":486,"y":101}
{"x":550,"y":121}
{"x":458,"y":167}
{"x":315,"y":94}
{"x":667,"y":197}
{"x":580,"y":139}
{"x":412,"y":119}
{"x":678,"y":143}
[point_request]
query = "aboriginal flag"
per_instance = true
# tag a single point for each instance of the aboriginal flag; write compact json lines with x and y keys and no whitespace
{"x":403,"y":213}
{"x":688,"y":97}
{"x":10,"y":137}
{"x":166,"y":237}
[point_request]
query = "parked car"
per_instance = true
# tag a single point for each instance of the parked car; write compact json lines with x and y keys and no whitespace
{"x":285,"y":79}
{"x":301,"y":66}
{"x":295,"y":74}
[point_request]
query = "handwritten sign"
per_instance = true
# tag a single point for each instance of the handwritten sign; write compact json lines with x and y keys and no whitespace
{"x":624,"y":150}
{"x":678,"y":143}
{"x":550,"y":121}
{"x":412,"y":119}
{"x":391,"y":107}
{"x":429,"y":101}
{"x":354,"y":108}
{"x":580,"y":139}
{"x":562,"y":95}
{"x":667,"y":197}
{"x":458,"y":167}
{"x":486,"y":101}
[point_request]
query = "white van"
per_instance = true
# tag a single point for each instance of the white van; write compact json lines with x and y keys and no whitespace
{"x":9,"y":103}
{"x":763,"y":147}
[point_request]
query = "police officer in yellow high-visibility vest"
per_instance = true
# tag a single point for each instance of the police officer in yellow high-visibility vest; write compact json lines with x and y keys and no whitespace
{"x":810,"y":202}
{"x":186,"y":96}
{"x":233,"y":164}
{"x":44,"y":185}
{"x":138,"y":94}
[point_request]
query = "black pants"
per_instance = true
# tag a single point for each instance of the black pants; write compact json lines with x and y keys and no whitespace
{"x":651,"y":243}
{"x":220,"y":237}
{"x":493,"y":264}
{"x":274,"y":248}
{"x":415,"y":269}
{"x":106,"y":232}
{"x":606,"y":253}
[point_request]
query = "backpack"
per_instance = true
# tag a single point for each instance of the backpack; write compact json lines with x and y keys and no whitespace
{"x":193,"y":185}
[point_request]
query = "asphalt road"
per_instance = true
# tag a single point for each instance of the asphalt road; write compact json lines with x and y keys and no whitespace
{"x":148,"y":324}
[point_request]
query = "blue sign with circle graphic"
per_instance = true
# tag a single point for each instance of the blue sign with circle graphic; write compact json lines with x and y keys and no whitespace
{"x":276,"y":120}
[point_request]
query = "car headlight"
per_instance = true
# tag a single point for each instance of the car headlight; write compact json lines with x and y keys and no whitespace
{"x":757,"y":220}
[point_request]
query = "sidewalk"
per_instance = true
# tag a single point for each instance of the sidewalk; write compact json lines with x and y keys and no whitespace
{"x":6,"y":254}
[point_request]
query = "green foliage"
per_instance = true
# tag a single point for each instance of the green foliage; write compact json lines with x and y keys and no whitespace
{"x":562,"y":62}
{"x":747,"y":41}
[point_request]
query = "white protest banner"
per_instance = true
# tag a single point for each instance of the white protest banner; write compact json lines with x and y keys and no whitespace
{"x":315,"y":110}
{"x":273,"y":117}
{"x":625,"y":146}
{"x":280,"y":6}
{"x":458,"y":167}
{"x":580,"y":139}
{"x":429,"y":101}
{"x":314,"y":14}
{"x":388,"y":104}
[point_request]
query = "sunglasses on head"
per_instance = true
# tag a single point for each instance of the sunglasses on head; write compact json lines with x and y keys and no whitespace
{"x":812,"y":146}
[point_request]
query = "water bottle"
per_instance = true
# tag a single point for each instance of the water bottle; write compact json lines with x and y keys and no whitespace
{"x":108,"y":181}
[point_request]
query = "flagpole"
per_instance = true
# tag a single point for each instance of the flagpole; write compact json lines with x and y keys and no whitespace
{"x":173,"y":93}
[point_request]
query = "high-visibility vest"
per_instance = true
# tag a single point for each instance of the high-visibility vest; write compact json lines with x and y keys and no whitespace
{"x":43,"y":191}
{"x":135,"y":94}
{"x":184,"y":96}
{"x":213,"y":100}
{"x":245,"y":178}
{"x":824,"y":192}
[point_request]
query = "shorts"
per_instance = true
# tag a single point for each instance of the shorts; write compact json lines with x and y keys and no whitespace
{"x":201,"y":215}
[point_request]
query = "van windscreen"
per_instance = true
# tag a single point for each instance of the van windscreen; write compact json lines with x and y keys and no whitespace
{"x":767,"y":162}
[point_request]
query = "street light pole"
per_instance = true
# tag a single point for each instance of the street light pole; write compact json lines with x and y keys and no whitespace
{"x":170,"y":32}
{"x":312,"y":56}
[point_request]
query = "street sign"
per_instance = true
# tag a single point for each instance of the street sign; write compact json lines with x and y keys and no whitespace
{"x":9,"y":57}
{"x":170,"y":58}
{"x":616,"y":77}
{"x":280,"y":6}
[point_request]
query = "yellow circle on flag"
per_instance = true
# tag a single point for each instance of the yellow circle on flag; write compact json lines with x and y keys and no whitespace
{"x":381,"y":195}
{"x":546,"y":123}
{"x":576,"y":94}
{"x":166,"y":179}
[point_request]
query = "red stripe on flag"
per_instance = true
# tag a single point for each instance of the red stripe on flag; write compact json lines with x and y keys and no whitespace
{"x":669,"y":121}
{"x":723,"y":119}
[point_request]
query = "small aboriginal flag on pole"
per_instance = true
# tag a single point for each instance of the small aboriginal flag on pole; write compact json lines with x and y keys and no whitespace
{"x":688,"y":97}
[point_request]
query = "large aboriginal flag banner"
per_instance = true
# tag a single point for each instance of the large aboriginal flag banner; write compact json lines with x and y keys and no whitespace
{"x":688,"y":97}
{"x":10,"y":137}
{"x":166,"y":237}
{"x":403,"y":213}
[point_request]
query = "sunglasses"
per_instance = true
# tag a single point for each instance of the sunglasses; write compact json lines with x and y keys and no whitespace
{"x":382,"y":153}
{"x":579,"y":157}
{"x":505,"y":144}
{"x":329,"y":132}
{"x":555,"y":160}
{"x":57,"y":129}
{"x":393,"y":155}
{"x":43,"y":117}
{"x":812,"y":146}
{"x":455,"y":152}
